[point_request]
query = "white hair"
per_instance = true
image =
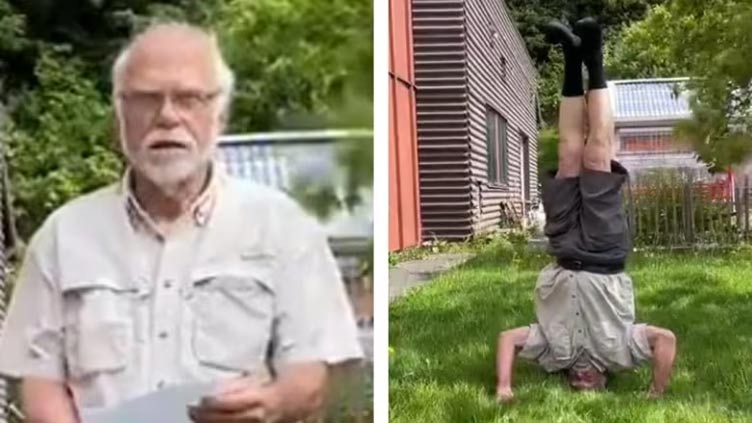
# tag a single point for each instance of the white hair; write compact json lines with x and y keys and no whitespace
{"x":223,"y":72}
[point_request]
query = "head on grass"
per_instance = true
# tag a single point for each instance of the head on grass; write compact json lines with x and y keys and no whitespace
{"x":585,"y":377}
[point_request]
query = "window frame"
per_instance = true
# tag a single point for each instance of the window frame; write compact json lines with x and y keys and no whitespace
{"x":497,"y":148}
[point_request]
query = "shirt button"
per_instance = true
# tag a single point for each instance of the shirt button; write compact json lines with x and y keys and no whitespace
{"x":163,"y":335}
{"x":167,"y":284}
{"x":577,"y":313}
{"x":160,"y":384}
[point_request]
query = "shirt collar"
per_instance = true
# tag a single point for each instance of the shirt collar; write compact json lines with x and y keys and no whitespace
{"x":199,"y":212}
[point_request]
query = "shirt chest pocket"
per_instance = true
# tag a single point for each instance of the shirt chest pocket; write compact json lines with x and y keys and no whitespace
{"x":233,"y":307}
{"x":99,"y":326}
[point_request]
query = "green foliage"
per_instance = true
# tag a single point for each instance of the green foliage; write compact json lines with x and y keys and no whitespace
{"x":59,"y":142}
{"x":531,"y":16}
{"x":11,"y":28}
{"x":295,"y":60}
{"x":713,"y":35}
{"x":306,"y":70}
{"x":705,"y":41}
{"x":548,"y":149}
{"x":550,"y":79}
{"x":295,"y":56}
{"x":321,"y":199}
{"x":507,"y":240}
{"x":644,"y":48}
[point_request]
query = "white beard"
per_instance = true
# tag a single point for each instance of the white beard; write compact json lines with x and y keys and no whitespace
{"x":167,"y":174}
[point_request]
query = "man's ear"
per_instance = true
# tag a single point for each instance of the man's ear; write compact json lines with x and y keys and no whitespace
{"x":224,"y":120}
{"x":115,"y":144}
{"x":114,"y":131}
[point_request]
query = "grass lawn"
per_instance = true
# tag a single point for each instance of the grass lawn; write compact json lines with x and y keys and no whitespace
{"x":443,"y":336}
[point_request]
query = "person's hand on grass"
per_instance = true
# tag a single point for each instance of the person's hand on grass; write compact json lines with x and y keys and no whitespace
{"x":654,"y":393}
{"x":504,"y":395}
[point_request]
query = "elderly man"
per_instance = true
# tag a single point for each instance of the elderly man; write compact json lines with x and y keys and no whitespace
{"x":179,"y":273}
{"x":585,"y":302}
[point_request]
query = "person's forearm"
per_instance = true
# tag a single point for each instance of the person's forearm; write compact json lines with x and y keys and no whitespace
{"x":301,"y":390}
{"x":45,"y":401}
{"x":509,"y":341}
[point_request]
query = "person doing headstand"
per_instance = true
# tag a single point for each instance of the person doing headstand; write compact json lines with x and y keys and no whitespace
{"x":584,"y":302}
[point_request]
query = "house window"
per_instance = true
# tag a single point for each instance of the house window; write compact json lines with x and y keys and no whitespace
{"x":496,"y":142}
{"x":651,"y":142}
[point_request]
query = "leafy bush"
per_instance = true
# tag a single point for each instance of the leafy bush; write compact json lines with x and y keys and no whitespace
{"x":59,"y":141}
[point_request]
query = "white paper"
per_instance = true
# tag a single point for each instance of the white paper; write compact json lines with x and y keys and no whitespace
{"x":168,"y":405}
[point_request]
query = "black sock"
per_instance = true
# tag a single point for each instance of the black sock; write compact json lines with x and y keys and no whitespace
{"x":560,"y":34}
{"x":572,"y":73}
{"x":591,"y":35}
{"x":596,"y":74}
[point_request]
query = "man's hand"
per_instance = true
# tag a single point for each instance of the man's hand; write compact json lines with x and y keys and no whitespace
{"x":243,"y":400}
{"x":504,"y":395}
{"x":47,"y":401}
{"x":296,"y":393}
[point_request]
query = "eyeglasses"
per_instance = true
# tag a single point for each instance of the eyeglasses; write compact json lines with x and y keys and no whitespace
{"x":148,"y":103}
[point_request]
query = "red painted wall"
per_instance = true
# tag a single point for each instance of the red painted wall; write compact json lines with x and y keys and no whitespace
{"x":404,"y":209}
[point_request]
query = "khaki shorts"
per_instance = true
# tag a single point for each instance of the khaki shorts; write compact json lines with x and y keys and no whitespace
{"x":582,"y":312}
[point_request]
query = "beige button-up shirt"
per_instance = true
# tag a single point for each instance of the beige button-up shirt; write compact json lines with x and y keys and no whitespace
{"x":582,"y":314}
{"x":107,"y":304}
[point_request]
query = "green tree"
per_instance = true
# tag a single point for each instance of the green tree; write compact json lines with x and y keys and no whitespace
{"x":292,"y":59}
{"x":548,"y":149}
{"x":704,"y":40}
{"x":59,"y":141}
{"x":722,"y":77}
{"x":305,"y":70}
{"x":644,"y":49}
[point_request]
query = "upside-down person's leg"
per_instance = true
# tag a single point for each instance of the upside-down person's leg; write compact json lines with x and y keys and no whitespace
{"x":572,"y":105}
{"x":510,"y":341}
{"x":561,"y":193}
{"x":571,"y":136}
{"x":663,"y":345}
{"x":603,"y":228}
{"x":599,"y":148}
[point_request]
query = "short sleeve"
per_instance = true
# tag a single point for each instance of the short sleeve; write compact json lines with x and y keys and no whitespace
{"x":31,"y":341}
{"x":314,"y":320}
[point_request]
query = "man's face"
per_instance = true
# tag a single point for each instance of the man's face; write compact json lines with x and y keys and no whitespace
{"x":587,"y":379}
{"x":169,"y":110}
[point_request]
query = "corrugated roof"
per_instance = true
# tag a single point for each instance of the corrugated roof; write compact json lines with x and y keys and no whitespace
{"x":282,"y":160}
{"x":650,"y":99}
{"x":259,"y":163}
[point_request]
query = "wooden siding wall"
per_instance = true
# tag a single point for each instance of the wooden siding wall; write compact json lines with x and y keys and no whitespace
{"x":491,"y":35}
{"x":404,"y":210}
{"x":442,"y":118}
